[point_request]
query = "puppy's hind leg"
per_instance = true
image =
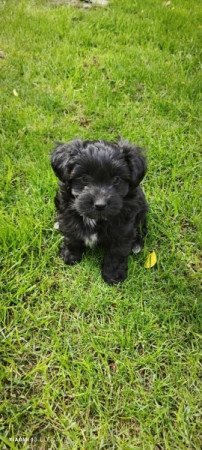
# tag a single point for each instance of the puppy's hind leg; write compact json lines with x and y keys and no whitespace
{"x":141,"y":232}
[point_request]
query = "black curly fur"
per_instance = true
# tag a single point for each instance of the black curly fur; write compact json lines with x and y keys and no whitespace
{"x":100,"y":201}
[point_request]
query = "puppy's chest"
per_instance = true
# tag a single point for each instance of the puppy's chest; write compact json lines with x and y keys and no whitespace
{"x":91,"y":240}
{"x":90,"y":236}
{"x":97,"y":232}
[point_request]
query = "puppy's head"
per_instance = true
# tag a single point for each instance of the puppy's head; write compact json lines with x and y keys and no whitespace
{"x":99,"y":175}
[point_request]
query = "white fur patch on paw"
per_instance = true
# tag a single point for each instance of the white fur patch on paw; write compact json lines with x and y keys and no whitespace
{"x":136,"y":249}
{"x":56,"y":226}
{"x":91,"y":240}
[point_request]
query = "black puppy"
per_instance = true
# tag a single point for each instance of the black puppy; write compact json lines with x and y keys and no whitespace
{"x":99,"y":201}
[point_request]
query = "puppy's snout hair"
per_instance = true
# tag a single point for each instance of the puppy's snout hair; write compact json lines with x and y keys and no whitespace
{"x":102,"y":197}
{"x":100,"y":201}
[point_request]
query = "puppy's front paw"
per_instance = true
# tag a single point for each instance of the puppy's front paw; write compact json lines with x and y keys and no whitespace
{"x":114,"y":274}
{"x":69,"y":257}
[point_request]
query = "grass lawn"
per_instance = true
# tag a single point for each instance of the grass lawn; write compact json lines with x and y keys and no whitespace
{"x":86,"y":365}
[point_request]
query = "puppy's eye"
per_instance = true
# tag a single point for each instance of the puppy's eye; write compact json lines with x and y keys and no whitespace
{"x":86,"y":179}
{"x":116,"y":180}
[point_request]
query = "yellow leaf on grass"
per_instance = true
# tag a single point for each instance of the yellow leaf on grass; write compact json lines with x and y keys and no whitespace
{"x":15,"y":93}
{"x":151,"y":260}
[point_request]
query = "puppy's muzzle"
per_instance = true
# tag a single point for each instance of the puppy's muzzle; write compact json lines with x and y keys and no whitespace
{"x":100,"y":205}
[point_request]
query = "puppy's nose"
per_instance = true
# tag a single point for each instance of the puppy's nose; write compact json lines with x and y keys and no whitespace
{"x":100,"y":205}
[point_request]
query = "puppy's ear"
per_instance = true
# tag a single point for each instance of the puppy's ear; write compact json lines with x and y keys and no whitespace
{"x":63,"y":159}
{"x":136,"y":161}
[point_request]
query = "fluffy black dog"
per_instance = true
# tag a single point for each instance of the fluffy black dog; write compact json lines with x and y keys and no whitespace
{"x":100,"y":201}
